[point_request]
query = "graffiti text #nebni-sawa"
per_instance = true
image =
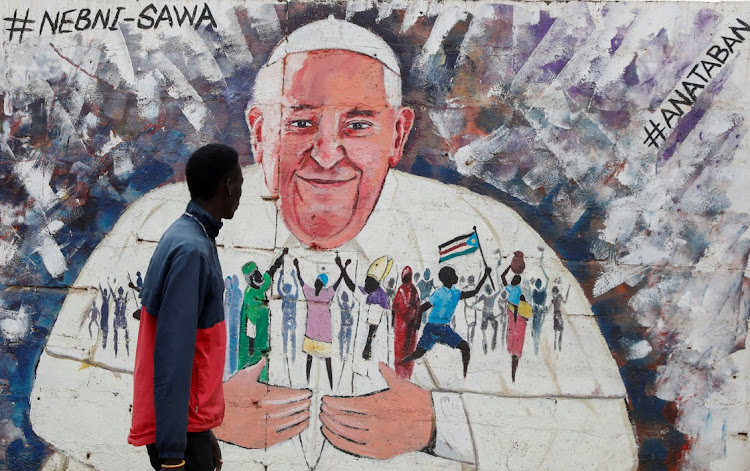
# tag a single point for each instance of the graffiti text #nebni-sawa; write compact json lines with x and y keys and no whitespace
{"x":700,"y":74}
{"x":84,"y":19}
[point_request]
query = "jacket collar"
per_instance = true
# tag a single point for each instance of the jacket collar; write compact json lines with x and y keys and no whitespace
{"x":212,"y":225}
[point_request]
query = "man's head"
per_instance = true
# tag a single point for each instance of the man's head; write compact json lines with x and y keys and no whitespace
{"x":214,"y":178}
{"x":447,"y":276}
{"x":327,"y":124}
{"x":371,"y":284}
{"x":320,"y":282}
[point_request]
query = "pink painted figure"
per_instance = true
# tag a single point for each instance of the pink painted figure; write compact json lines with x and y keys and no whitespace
{"x":318,"y":338}
{"x":405,"y":322}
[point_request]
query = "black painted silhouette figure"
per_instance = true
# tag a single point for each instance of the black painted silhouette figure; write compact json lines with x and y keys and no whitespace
{"x":104,"y":314}
{"x":557,"y":319}
{"x":121,"y":320}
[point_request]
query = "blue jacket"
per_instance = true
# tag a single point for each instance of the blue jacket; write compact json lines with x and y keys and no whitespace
{"x":181,"y":339}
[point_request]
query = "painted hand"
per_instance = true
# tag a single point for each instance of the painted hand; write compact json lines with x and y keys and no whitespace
{"x":381,"y":425}
{"x":258,"y":415}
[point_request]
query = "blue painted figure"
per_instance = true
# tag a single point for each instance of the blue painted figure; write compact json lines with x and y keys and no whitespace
{"x":425,"y":286}
{"x":232,"y":305}
{"x":136,"y":288}
{"x":289,"y":312}
{"x":538,"y":301}
{"x":94,"y":316}
{"x":347,"y":320}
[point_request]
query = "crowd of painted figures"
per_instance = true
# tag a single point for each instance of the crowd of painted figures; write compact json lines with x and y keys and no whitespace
{"x":114,"y":302}
{"x":419,"y":311}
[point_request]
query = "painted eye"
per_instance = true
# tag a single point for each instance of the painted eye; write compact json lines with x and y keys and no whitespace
{"x":301,"y":123}
{"x":359,"y":126}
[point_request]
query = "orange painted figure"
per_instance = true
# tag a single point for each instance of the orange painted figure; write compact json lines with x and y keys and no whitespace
{"x":405,"y":322}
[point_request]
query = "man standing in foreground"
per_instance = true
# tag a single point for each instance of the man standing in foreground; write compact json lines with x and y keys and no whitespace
{"x":178,"y":395}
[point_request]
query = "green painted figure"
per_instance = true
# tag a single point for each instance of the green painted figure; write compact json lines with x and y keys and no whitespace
{"x":254,"y":340}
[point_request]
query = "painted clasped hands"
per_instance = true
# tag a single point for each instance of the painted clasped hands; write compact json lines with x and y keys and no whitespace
{"x":381,"y":425}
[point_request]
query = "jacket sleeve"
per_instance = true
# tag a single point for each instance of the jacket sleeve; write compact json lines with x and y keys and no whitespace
{"x":176,"y":327}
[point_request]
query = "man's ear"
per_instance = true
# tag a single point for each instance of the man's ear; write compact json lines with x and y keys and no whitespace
{"x":404,"y":122}
{"x":255,"y":125}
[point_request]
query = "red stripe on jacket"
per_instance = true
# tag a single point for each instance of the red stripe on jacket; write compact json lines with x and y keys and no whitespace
{"x":206,"y":388}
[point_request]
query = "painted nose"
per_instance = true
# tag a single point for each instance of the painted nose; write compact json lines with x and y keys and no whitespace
{"x":327,"y":151}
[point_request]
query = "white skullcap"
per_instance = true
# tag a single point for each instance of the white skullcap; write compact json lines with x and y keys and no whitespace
{"x":338,"y":35}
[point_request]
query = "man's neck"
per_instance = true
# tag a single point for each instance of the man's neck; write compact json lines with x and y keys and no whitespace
{"x":211,"y":207}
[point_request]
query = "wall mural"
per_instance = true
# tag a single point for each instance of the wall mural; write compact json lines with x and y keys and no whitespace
{"x":472,"y":235}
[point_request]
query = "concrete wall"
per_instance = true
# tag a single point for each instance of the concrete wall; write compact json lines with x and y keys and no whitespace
{"x":604,"y":141}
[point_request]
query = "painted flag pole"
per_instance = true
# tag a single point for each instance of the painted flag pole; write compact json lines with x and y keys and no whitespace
{"x":492,"y":282}
{"x":462,"y":245}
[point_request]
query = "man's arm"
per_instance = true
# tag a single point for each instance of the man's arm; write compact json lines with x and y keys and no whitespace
{"x":299,"y":273}
{"x":502,"y":277}
{"x":472,"y":293}
{"x":341,"y":275}
{"x":277,"y":263}
{"x":176,"y":329}
{"x":344,"y":274}
{"x":425,"y":306}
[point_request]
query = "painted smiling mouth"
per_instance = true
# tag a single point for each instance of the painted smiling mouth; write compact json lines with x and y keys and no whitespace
{"x":326,"y":182}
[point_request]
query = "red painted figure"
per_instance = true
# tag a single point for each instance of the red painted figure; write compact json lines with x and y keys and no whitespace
{"x":406,"y":322}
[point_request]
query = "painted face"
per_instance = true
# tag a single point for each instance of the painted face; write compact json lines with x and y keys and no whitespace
{"x":337,"y":139}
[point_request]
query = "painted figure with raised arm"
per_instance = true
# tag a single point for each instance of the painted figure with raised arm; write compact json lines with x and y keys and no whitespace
{"x":318,"y":337}
{"x":443,"y":303}
{"x":254,"y":341}
{"x":289,"y":312}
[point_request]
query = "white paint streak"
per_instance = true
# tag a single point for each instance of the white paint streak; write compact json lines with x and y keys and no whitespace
{"x":35,"y":176}
{"x":147,"y":89}
{"x":52,"y":256}
{"x":264,"y":19}
{"x":123,"y":164}
{"x":14,"y":325}
{"x":414,"y":11}
{"x":443,"y":24}
{"x":54,"y":227}
{"x":114,"y":141}
{"x":7,"y":251}
{"x":639,"y":350}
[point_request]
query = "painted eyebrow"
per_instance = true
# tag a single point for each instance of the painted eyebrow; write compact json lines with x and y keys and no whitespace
{"x":302,"y":107}
{"x":360,"y":112}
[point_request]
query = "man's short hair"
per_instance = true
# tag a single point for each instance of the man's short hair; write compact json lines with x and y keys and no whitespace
{"x":328,"y":34}
{"x":207,"y":167}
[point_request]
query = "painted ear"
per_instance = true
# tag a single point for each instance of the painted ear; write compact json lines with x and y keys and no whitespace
{"x":255,"y":124}
{"x":404,"y":122}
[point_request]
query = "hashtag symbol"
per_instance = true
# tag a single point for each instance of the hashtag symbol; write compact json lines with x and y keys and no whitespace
{"x":14,"y":28}
{"x":653,"y":134}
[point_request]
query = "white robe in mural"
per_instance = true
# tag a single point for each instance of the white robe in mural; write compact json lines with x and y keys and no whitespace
{"x":566,"y":409}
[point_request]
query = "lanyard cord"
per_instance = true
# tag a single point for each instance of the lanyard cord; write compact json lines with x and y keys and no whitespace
{"x":216,"y":258}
